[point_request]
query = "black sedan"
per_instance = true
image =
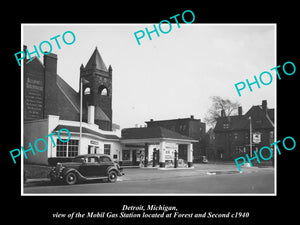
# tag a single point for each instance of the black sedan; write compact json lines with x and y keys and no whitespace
{"x":86,"y":167}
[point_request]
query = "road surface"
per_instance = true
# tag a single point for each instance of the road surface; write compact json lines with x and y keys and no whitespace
{"x":139,"y":181}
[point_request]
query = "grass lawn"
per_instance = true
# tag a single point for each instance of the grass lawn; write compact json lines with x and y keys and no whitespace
{"x":36,"y":171}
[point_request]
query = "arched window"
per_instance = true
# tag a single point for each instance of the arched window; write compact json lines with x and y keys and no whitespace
{"x":87,"y":91}
{"x":103,"y":90}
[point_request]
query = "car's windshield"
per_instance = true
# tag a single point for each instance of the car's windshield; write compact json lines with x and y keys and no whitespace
{"x":78,"y":159}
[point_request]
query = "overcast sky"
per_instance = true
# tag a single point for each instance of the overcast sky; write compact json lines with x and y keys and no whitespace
{"x":171,"y":76}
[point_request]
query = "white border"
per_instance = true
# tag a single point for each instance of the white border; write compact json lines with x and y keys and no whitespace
{"x":22,"y":113}
{"x":149,"y":194}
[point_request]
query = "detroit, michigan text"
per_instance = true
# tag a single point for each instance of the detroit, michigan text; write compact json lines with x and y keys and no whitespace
{"x":150,"y":207}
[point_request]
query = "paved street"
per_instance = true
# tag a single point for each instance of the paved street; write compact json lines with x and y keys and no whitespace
{"x":203,"y":179}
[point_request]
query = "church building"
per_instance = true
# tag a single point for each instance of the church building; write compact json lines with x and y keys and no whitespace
{"x":50,"y":104}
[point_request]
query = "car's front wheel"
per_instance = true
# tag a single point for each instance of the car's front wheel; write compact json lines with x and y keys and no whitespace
{"x":71,"y":178}
{"x":112,"y":176}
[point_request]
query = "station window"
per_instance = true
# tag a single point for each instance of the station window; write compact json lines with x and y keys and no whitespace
{"x":67,"y":149}
{"x":107,"y":149}
{"x":125,"y":155}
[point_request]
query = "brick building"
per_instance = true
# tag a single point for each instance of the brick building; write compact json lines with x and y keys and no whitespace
{"x":189,"y":127}
{"x":46,"y":93}
{"x":232,"y":133}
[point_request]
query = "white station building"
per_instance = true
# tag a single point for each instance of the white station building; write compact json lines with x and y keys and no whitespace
{"x":93,"y":140}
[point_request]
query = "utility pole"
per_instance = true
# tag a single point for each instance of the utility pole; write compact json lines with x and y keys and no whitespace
{"x":250,"y":137}
{"x":80,"y":129}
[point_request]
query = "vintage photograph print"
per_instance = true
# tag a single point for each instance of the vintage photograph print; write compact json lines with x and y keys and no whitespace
{"x":175,"y":108}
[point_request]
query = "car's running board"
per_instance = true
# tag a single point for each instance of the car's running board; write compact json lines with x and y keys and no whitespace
{"x":93,"y":178}
{"x":89,"y":178}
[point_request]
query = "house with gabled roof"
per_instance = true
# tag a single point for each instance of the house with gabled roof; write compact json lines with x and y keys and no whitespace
{"x":232,"y":133}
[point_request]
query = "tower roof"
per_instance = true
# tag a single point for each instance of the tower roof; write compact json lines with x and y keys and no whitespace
{"x":96,"y":62}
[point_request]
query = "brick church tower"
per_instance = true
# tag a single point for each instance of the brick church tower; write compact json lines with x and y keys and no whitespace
{"x":97,"y":91}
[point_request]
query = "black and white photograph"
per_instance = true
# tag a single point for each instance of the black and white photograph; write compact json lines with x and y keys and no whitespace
{"x":174,"y":112}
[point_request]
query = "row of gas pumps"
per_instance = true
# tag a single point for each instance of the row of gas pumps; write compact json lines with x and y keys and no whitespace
{"x":155,"y":159}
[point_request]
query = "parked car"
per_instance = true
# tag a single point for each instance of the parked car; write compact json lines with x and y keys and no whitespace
{"x":86,"y":167}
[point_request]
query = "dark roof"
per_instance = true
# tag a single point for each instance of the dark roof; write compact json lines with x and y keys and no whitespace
{"x":151,"y":132}
{"x":100,"y":115}
{"x":271,"y":114}
{"x":96,"y":61}
{"x":179,"y":119}
{"x":235,"y":122}
{"x":259,"y":119}
{"x":34,"y":60}
{"x":69,"y":92}
{"x":86,"y":131}
{"x":74,"y":99}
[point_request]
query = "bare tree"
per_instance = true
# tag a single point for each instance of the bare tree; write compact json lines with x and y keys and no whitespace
{"x":218,"y":104}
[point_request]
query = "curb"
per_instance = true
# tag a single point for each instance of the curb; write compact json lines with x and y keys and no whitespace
{"x":220,"y":172}
{"x":129,"y":167}
{"x":178,"y":168}
{"x":34,"y":181}
{"x":167,"y":168}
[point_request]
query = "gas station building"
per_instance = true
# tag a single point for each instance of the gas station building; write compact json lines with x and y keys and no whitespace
{"x":155,"y":146}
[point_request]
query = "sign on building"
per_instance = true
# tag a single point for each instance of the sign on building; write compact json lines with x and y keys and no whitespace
{"x":33,"y":97}
{"x":256,"y":137}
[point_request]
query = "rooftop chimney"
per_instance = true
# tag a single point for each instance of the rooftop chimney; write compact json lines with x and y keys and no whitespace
{"x":192,"y":116}
{"x":50,"y":63}
{"x":264,"y":106}
{"x":222,"y":113}
{"x":240,"y":111}
{"x":24,"y":50}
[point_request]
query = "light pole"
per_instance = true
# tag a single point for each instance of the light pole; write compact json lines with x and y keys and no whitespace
{"x":80,"y":126}
{"x":82,"y":80}
{"x":250,"y":137}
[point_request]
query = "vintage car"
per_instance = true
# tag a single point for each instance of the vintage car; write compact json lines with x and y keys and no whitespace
{"x":86,"y":167}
